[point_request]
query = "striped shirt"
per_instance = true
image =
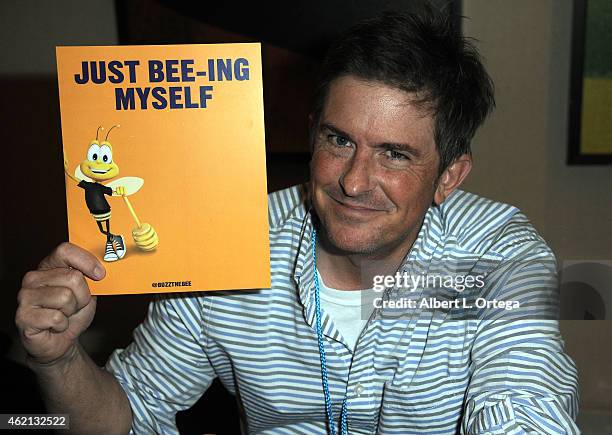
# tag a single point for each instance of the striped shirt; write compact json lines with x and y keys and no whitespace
{"x":413,"y":371}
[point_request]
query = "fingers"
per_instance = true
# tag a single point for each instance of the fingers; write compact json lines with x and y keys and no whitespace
{"x":63,"y":289}
{"x":35,"y":320}
{"x":68,"y":255}
{"x":55,"y":298}
{"x":54,"y":304}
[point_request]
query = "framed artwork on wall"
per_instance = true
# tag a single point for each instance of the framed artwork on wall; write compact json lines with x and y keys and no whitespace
{"x":590,"y":117}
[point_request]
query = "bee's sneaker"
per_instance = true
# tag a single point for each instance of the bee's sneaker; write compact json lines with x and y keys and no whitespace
{"x":119,"y":245}
{"x":109,"y":253}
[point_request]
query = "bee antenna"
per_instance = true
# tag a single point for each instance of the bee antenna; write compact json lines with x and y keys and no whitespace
{"x":108,"y":132}
{"x":98,"y":131}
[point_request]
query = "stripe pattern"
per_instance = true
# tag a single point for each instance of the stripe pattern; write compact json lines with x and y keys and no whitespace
{"x":420,"y":371}
{"x":102,"y":216}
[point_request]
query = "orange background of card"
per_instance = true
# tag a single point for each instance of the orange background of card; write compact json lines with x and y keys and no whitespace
{"x":204,"y":172}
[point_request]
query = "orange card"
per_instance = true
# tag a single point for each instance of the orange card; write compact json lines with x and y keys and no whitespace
{"x":165,"y":165}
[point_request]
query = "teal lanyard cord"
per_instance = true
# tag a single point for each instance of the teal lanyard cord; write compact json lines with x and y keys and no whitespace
{"x":328,"y":402}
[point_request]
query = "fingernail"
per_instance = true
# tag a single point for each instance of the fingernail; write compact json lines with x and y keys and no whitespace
{"x":98,"y":272}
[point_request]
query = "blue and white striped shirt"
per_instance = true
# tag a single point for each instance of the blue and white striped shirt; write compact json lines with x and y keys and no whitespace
{"x":434,"y":371}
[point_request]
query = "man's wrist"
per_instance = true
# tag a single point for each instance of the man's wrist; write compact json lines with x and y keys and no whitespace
{"x":59,"y":366}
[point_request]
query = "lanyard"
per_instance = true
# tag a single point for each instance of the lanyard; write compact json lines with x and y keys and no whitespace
{"x":328,"y":403}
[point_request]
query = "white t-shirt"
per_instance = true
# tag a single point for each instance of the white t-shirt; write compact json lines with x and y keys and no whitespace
{"x":348,"y":309}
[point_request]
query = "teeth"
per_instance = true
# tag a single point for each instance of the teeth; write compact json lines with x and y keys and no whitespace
{"x":99,"y":172}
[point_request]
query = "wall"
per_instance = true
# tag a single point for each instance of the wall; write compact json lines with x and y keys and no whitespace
{"x":520,"y":156}
{"x":30,"y":30}
{"x":523,"y":147}
{"x":33,"y":217}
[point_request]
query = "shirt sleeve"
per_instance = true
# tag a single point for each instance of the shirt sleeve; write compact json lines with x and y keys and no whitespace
{"x":165,"y":369}
{"x":522,"y":380}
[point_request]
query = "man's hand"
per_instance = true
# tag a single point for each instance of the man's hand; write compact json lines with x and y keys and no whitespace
{"x":55,"y":307}
{"x":55,"y":304}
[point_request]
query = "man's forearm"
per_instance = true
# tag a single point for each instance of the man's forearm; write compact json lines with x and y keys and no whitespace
{"x":91,"y":396}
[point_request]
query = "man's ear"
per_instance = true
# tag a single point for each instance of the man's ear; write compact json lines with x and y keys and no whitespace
{"x":452,"y":177}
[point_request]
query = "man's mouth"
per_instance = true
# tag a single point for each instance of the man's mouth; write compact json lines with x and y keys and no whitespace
{"x":355,"y":206}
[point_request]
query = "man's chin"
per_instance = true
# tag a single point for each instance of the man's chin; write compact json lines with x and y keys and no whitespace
{"x":350,"y":242}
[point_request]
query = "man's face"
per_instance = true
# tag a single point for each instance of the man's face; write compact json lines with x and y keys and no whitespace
{"x":374,"y":167}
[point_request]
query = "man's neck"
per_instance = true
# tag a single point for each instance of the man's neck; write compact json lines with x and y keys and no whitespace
{"x":355,"y":271}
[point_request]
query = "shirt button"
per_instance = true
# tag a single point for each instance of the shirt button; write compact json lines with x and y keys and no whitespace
{"x":358,"y":390}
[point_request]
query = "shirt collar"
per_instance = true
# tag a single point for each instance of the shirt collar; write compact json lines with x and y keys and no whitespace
{"x":303,"y":272}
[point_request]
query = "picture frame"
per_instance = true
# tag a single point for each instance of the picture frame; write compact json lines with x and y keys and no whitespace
{"x":590,"y":118}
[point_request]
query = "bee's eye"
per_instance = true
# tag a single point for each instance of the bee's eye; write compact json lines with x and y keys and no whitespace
{"x":93,"y":153}
{"x":106,"y":155}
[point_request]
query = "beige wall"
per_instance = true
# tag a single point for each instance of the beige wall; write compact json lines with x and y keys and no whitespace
{"x":520,"y":153}
{"x":520,"y":156}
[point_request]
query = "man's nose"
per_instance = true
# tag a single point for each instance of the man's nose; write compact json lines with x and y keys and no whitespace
{"x":357,"y":177}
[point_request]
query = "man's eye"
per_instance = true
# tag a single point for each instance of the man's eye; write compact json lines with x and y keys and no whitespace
{"x":395,"y":155}
{"x":339,"y":141}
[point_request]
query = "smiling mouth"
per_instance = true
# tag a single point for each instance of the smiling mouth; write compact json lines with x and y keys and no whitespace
{"x":98,"y":171}
{"x":356,"y":208}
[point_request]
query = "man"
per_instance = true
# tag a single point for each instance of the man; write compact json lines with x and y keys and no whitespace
{"x":399,"y":100}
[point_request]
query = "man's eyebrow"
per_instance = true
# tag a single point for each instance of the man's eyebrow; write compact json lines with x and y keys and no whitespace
{"x":335,"y":130}
{"x":400,"y":147}
{"x":385,"y":145}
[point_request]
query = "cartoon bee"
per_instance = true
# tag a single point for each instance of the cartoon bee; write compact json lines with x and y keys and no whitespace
{"x":97,"y":167}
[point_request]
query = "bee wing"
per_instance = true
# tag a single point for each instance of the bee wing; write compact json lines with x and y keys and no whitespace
{"x":79,"y":174}
{"x":131,"y":184}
